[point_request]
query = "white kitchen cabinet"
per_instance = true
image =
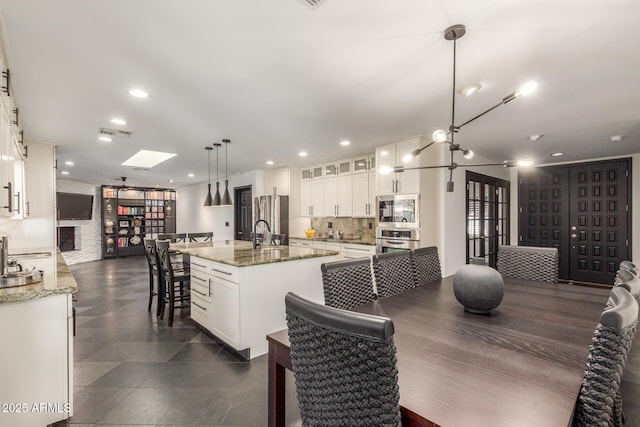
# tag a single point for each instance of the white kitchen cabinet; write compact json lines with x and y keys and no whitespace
{"x":317,"y":198}
{"x":215,"y":299}
{"x":312,"y":198}
{"x":18,"y":180}
{"x":338,"y":196}
{"x":391,"y":155}
{"x":37,"y":359}
{"x":364,"y":185}
{"x":364,"y":163}
{"x":6,"y":163}
{"x":353,"y":250}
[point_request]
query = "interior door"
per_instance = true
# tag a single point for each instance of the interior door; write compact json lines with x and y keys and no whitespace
{"x":487,"y":216}
{"x":581,"y":209}
{"x":243,"y":213}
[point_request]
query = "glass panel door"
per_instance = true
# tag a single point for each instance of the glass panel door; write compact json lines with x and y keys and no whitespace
{"x":487,"y":216}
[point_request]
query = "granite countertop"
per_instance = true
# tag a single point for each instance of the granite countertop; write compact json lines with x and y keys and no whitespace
{"x":359,"y":240}
{"x":62,"y":282}
{"x":241,"y":254}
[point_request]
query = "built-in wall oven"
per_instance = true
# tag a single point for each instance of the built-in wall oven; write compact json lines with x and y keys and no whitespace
{"x":396,"y":239}
{"x":398,"y":211}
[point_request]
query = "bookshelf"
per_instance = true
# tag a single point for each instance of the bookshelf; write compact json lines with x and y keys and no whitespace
{"x":130,"y":215}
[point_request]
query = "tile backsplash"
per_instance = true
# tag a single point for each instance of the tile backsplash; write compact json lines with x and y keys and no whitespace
{"x":353,"y":228}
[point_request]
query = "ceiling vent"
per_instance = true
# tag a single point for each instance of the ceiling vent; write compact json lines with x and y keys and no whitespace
{"x":114,"y":132}
{"x":312,"y":4}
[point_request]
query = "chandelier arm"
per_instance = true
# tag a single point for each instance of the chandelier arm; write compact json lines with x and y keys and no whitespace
{"x":453,"y":165}
{"x":479,"y":115}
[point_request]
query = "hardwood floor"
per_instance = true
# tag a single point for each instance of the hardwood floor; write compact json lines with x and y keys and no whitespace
{"x":131,"y":369}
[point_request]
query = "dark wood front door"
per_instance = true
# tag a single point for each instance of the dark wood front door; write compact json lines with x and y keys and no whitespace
{"x":581,"y":209}
{"x":243,"y":213}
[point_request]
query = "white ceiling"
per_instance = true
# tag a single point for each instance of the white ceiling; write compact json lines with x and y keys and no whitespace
{"x":276,"y":78}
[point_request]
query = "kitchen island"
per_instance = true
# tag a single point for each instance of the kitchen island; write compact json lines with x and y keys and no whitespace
{"x":36,"y":361}
{"x":237,"y":292}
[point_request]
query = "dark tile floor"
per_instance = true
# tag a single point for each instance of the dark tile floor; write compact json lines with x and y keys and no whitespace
{"x":131,"y":369}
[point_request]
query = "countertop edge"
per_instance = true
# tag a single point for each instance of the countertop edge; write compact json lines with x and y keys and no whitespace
{"x":65,"y":284}
{"x":330,"y":240}
{"x":320,"y":253}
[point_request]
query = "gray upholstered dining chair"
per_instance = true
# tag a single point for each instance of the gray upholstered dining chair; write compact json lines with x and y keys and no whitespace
{"x":393,"y":272}
{"x":426,"y":265}
{"x":629,"y":266}
{"x":200,"y":237}
{"x":600,"y":402}
{"x":528,"y":262}
{"x":347,"y":283}
{"x":629,"y":281}
{"x":344,"y":364}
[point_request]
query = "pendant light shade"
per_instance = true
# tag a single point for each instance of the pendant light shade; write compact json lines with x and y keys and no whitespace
{"x":226,"y":198}
{"x":208,"y":201}
{"x":216,"y":198}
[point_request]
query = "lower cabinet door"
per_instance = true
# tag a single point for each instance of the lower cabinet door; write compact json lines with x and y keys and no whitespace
{"x":225,"y":311}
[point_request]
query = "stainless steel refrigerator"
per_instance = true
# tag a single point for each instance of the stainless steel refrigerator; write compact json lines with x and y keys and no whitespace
{"x":274,"y":210}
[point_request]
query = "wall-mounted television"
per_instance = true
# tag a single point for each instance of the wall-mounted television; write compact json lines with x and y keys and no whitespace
{"x":72,"y":206}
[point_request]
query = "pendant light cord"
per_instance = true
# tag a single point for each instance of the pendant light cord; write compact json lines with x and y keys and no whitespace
{"x":217,"y":174}
{"x":209,"y":152}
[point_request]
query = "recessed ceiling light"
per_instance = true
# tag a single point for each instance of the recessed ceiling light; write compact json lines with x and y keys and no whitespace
{"x":525,"y":162}
{"x":147,"y":158}
{"x":69,"y":163}
{"x":557,"y":154}
{"x":105,"y":139}
{"x":170,"y":180}
{"x":64,"y":173}
{"x":616,"y":138}
{"x":118,"y":121}
{"x":345,"y":143}
{"x":535,"y":137}
{"x":270,"y":162}
{"x":527,"y":89}
{"x":157,"y":185}
{"x":191,"y":175}
{"x":469,"y":90}
{"x":302,"y":154}
{"x":138,"y":93}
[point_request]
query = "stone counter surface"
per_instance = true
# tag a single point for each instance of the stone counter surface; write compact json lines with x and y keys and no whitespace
{"x":355,"y":241}
{"x":60,"y":283}
{"x":241,"y":254}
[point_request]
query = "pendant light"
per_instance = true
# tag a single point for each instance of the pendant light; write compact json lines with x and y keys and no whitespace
{"x":208,"y":199}
{"x":226,"y":199}
{"x":216,"y":198}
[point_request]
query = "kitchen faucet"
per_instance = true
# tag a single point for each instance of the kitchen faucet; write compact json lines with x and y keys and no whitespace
{"x":255,"y":237}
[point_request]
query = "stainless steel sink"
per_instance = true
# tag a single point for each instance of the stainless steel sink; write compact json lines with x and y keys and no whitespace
{"x":21,"y":278}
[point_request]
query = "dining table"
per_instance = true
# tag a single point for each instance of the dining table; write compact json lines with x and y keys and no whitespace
{"x":520,"y":365}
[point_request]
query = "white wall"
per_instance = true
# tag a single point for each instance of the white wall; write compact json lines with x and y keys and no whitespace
{"x":193,"y":217}
{"x":88,"y":232}
{"x":38,"y":229}
{"x":454,"y":210}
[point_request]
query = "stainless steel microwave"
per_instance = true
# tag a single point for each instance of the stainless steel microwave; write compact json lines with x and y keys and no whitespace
{"x":398,"y":211}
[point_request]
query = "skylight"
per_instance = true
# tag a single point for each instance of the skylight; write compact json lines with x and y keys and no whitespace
{"x":147,"y":159}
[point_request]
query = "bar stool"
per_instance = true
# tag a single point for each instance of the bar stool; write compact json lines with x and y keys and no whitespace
{"x":152,"y":262}
{"x":174,"y":280}
{"x":200,"y":237}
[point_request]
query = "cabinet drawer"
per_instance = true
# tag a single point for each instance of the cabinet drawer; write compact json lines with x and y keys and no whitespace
{"x":199,"y":310}
{"x":200,"y":265}
{"x":332,"y":246}
{"x":365,"y":249}
{"x":201,"y":289}
{"x":224,"y":271}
